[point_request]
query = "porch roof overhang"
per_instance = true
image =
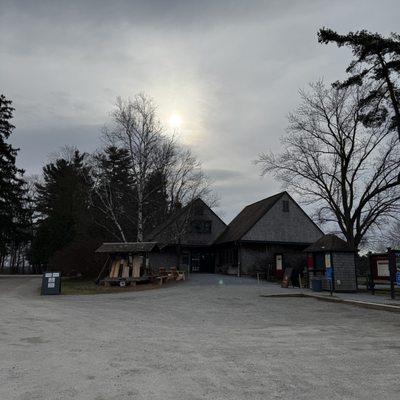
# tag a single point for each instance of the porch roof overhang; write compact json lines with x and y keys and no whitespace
{"x":129,"y":247}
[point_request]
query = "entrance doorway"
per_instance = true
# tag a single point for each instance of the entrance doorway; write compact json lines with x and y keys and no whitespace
{"x":202,"y":261}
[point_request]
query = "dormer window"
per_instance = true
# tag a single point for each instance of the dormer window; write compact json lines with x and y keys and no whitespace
{"x":200,"y":226}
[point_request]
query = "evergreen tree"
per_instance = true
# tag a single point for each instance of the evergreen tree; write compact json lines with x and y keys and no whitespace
{"x":112,"y":193}
{"x":377,"y":64}
{"x":63,"y":203}
{"x":156,"y":209}
{"x":12,"y":191}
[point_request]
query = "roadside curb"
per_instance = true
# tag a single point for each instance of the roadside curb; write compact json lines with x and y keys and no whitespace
{"x":357,"y":303}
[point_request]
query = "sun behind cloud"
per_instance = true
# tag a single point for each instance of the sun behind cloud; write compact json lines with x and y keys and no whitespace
{"x":175,"y":121}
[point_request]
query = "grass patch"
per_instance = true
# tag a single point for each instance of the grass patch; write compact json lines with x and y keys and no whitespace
{"x":80,"y":286}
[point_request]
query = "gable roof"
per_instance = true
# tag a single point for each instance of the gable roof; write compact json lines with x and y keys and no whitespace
{"x":128,"y":247}
{"x":178,"y":214}
{"x":329,"y":242}
{"x":247,"y":218}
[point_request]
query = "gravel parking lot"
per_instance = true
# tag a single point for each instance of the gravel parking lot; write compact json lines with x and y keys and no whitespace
{"x":212,"y":337}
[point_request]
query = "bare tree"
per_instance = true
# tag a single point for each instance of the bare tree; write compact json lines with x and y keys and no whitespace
{"x":346,"y":166}
{"x":388,"y":237}
{"x":103,"y":198}
{"x":137,"y":129}
{"x":186,"y":180}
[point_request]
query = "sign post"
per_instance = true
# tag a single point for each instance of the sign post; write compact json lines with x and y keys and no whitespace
{"x":392,"y":271}
{"x":329,"y":271}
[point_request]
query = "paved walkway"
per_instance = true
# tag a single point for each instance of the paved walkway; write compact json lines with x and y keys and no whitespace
{"x":358,"y":298}
{"x":364,"y":297}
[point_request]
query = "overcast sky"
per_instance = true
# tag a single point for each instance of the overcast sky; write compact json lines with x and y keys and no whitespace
{"x":230,"y":69}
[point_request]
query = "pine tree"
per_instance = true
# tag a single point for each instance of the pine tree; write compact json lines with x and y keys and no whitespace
{"x":12,"y":191}
{"x":63,"y":203}
{"x":377,"y":64}
{"x":112,"y":193}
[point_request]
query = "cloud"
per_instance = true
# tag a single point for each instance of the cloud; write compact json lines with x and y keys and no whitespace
{"x":232,"y":69}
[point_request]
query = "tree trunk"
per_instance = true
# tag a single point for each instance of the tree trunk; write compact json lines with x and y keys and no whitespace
{"x":140,"y":215}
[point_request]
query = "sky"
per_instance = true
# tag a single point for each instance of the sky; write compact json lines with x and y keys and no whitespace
{"x":228,"y":71}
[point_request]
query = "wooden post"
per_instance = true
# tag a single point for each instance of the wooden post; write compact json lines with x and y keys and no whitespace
{"x":371,"y":273}
{"x":239,"y":260}
{"x":392,"y":272}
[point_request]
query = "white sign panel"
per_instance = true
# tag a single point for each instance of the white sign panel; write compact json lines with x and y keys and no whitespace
{"x":328,"y":260}
{"x":279,"y":262}
{"x":383,"y":268}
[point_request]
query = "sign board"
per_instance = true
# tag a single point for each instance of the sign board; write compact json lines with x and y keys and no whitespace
{"x":328,"y":267}
{"x":398,"y":278}
{"x":328,"y":263}
{"x":51,"y":283}
{"x":382,"y":267}
{"x":279,"y":262}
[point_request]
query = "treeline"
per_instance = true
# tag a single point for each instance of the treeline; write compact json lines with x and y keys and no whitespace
{"x":119,"y":193}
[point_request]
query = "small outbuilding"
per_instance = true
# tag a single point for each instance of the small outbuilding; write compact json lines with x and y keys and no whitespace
{"x":333,"y":260}
{"x":126,"y":262}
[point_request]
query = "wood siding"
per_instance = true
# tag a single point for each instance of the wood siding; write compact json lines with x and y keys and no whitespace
{"x":277,"y":225}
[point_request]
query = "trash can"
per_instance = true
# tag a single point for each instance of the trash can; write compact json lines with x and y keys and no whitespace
{"x":51,"y":283}
{"x":316,"y":284}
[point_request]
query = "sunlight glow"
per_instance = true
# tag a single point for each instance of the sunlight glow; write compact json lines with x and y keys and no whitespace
{"x":175,"y":121}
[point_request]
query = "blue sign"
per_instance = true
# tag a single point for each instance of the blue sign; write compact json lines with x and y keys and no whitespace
{"x":329,"y":273}
{"x":398,"y":278}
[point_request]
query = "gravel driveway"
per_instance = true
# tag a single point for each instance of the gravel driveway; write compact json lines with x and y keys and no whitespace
{"x":212,"y":337}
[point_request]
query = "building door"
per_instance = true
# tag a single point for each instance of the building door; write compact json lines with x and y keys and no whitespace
{"x":195,"y":262}
{"x":202,"y":261}
{"x":279,"y":266}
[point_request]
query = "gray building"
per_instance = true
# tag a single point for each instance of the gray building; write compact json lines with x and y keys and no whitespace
{"x":186,"y":239}
{"x":267,"y":236}
{"x":333,"y":259}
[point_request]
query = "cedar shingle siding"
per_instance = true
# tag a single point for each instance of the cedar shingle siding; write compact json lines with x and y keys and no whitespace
{"x":276,"y":225}
{"x":345,"y":274}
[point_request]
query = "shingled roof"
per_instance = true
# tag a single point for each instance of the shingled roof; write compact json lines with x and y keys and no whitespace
{"x":174,"y":217}
{"x":329,"y":242}
{"x":184,"y":213}
{"x":246,"y":219}
{"x":129,"y":247}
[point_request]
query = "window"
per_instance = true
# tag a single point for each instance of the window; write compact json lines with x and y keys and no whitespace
{"x":207,"y":226}
{"x":285,"y":206}
{"x":198,"y":210}
{"x":200,"y":226}
{"x":196,"y":226}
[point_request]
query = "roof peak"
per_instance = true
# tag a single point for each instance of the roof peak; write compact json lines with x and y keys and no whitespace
{"x":268,"y":198}
{"x":248,"y":217}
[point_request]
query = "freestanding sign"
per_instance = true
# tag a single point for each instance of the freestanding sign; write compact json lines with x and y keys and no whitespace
{"x":329,"y":271}
{"x":394,"y":269}
{"x":51,"y":283}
